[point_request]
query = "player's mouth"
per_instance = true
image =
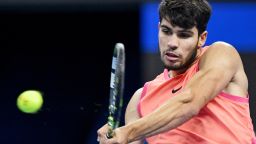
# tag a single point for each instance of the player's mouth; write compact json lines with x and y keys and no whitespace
{"x":170,"y":56}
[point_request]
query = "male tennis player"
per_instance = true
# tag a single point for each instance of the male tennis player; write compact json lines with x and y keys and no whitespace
{"x":200,"y":98}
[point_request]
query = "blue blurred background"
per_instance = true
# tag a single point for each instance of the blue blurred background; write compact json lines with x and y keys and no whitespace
{"x":64,"y":49}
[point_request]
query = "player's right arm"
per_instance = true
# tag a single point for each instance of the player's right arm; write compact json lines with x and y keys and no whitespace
{"x":131,"y":113}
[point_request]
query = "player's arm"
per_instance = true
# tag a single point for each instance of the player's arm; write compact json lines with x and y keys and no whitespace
{"x":131,"y":113}
{"x":217,"y":67}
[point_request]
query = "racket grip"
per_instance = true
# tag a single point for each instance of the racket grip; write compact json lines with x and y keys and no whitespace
{"x":111,"y":123}
{"x":110,"y":134}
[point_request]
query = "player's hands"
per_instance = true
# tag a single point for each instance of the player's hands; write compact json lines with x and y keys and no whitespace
{"x":102,"y":134}
{"x":120,"y":136}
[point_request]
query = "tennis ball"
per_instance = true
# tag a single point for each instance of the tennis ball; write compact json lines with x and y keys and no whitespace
{"x":30,"y":101}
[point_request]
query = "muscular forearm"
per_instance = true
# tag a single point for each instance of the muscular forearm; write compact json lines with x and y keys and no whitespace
{"x":173,"y":124}
{"x":170,"y":115}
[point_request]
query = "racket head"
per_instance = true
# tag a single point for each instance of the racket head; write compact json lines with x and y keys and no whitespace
{"x":116,"y":87}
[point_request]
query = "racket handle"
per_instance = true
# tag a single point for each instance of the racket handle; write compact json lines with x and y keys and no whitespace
{"x":110,"y":134}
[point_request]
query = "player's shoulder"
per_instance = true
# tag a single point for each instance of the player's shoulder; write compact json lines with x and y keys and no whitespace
{"x":137,"y":94}
{"x":221,"y":46}
{"x":138,"y":91}
{"x":220,"y":50}
{"x":220,"y":54}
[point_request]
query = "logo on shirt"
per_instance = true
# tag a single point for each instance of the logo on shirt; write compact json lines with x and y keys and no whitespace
{"x":175,"y":90}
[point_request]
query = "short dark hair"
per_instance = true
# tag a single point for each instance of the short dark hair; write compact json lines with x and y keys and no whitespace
{"x":186,"y":13}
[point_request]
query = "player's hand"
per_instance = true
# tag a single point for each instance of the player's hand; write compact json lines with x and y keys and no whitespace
{"x":102,"y":132}
{"x":120,"y":137}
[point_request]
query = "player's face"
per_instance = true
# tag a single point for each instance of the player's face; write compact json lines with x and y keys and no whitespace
{"x":178,"y":46}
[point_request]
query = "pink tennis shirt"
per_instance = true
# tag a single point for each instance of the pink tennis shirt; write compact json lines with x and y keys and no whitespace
{"x":224,"y":120}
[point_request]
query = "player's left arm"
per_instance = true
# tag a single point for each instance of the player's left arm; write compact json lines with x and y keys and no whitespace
{"x":218,"y":66}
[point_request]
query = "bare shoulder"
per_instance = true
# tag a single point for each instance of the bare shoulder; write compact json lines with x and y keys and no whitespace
{"x":223,"y":51}
{"x":223,"y":46}
{"x":225,"y":58}
{"x":136,"y":97}
{"x":220,"y":54}
{"x":131,"y":113}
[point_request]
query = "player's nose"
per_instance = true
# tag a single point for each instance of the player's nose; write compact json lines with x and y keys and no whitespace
{"x":173,"y":42}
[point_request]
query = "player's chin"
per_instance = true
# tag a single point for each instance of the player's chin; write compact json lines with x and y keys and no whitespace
{"x":171,"y":63}
{"x":172,"y":66}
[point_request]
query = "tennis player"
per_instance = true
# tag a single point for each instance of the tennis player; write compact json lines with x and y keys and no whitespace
{"x":200,"y":97}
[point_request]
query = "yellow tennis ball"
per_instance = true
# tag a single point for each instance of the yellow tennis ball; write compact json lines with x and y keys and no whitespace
{"x":30,"y":101}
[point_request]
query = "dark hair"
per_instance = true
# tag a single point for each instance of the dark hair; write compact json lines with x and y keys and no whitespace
{"x":186,"y":13}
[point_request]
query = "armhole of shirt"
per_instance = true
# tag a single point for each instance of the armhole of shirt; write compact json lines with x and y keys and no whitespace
{"x":234,"y":97}
{"x":143,"y":93}
{"x":224,"y":94}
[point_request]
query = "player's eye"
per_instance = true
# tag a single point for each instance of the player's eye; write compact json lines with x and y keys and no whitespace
{"x":184,"y":35}
{"x":166,"y":31}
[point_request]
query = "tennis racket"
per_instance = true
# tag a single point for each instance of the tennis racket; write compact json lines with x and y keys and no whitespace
{"x":116,"y":88}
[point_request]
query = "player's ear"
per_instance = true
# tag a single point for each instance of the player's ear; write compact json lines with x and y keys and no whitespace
{"x":202,"y":39}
